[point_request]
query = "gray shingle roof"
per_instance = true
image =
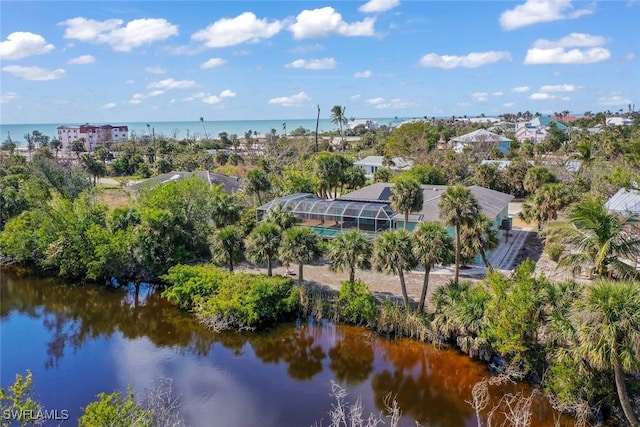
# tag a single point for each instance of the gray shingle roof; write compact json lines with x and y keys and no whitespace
{"x":625,"y":202}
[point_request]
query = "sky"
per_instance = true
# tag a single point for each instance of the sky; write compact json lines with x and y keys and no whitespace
{"x":118,"y":61}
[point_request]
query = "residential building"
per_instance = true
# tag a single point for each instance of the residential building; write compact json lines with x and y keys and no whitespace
{"x":625,"y":202}
{"x":618,"y":121}
{"x":481,"y":140}
{"x":92,"y":136}
{"x":537,"y":129}
{"x":371,"y":164}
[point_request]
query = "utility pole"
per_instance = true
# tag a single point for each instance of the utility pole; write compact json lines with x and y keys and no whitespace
{"x":317,"y":122}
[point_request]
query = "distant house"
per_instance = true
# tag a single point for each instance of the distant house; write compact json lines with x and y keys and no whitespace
{"x":371,"y":164}
{"x":625,"y":202}
{"x":537,"y":129}
{"x":368,"y":124}
{"x":481,"y":139}
{"x":618,"y":121}
{"x":230,"y":184}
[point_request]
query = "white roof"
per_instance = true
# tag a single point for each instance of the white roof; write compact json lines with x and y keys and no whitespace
{"x":398,"y":162}
{"x":624,"y":202}
{"x":480,"y":135}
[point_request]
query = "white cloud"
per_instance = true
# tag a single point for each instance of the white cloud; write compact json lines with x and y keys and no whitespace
{"x":212,"y":63}
{"x":376,"y":6}
{"x":121,"y":38}
{"x":558,"y":88}
{"x":362,"y":74}
{"x":244,"y":28}
{"x":137,"y":98}
{"x":8,"y":97}
{"x":521,"y":89}
{"x":480,"y":96}
{"x":129,"y":82}
{"x":171,"y":84}
{"x":34,"y":73}
{"x":291,"y":101}
{"x":538,"y":96}
{"x":559,"y":55}
{"x":354,"y":97}
{"x":614,"y":101}
{"x":565,"y":98}
{"x":227,"y":93}
{"x":109,"y":105}
{"x":381,"y":103}
{"x":630,"y":56}
{"x":313,"y":64}
{"x":23,"y":44}
{"x":508,"y":104}
{"x":299,"y":50}
{"x":324,"y":22}
{"x":82,"y":60}
{"x":195,"y":96}
{"x":472,"y":60}
{"x":572,"y":40}
{"x":538,"y":11}
{"x":211,"y":99}
{"x":155,"y":70}
{"x":497,"y":93}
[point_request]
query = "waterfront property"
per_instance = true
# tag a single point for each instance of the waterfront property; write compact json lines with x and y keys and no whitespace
{"x":369,"y":209}
{"x":230,"y":184}
{"x":371,"y":164}
{"x":92,"y":136}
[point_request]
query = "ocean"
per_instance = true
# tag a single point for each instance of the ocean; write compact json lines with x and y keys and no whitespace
{"x":182,"y":130}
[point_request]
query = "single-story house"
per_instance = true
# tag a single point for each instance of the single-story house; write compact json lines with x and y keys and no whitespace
{"x":371,"y":164}
{"x":618,"y":121}
{"x":481,"y":139}
{"x":625,"y":202}
{"x":230,"y":184}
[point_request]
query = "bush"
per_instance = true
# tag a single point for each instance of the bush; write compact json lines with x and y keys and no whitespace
{"x":115,"y":410}
{"x":357,"y":304}
{"x":554,"y":250}
{"x":187,"y":282}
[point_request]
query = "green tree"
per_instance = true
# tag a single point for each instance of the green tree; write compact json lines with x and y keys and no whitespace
{"x":479,"y":236}
{"x":281,"y":217}
{"x":426,"y":175}
{"x":458,"y":207}
{"x":350,"y":250}
{"x":95,"y":168}
{"x":17,"y":399}
{"x":536,"y":177}
{"x":300,"y":245}
{"x":339,"y":119}
{"x":227,"y":246}
{"x":115,"y":410}
{"x":406,"y":197}
{"x":263,"y":244}
{"x":608,"y":329}
{"x":257,"y":183}
{"x":606,"y":241}
{"x":393,"y":253}
{"x":432,"y":245}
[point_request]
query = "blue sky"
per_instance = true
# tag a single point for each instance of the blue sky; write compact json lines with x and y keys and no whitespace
{"x":169,"y":61}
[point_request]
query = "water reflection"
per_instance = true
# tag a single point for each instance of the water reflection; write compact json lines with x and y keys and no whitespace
{"x":105,"y":339}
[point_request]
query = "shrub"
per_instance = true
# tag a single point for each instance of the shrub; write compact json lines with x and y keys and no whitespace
{"x":554,"y":250}
{"x":187,"y":282}
{"x":356,"y":302}
{"x":116,"y":410}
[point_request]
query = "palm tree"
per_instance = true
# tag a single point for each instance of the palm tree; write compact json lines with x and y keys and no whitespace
{"x":608,"y":330}
{"x":350,"y":250}
{"x":263,"y":244}
{"x":227,"y":246}
{"x":300,"y":245}
{"x":600,"y":238}
{"x":458,"y":206}
{"x":92,"y":166}
{"x":258,"y":183}
{"x":203,"y":128}
{"x":407,"y":197}
{"x":478,"y":237}
{"x":56,"y":144}
{"x":432,"y":245}
{"x":281,"y":217}
{"x":393,"y":254}
{"x":102,"y":154}
{"x":339,"y":119}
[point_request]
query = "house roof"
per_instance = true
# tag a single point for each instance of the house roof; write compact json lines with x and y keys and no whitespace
{"x":491,"y":202}
{"x":546,"y":121}
{"x":398,"y":162}
{"x":230,"y":184}
{"x":480,"y":135}
{"x":625,"y":202}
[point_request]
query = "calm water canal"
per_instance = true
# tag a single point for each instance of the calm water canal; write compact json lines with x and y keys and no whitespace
{"x":80,"y":341}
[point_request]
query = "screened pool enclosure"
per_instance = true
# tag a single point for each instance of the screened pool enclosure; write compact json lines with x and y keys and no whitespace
{"x":330,"y":217}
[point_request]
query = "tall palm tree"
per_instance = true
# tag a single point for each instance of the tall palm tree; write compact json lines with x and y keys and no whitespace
{"x":263,"y":244}
{"x":350,"y":250}
{"x":458,"y":206}
{"x":203,"y":128}
{"x":227,"y":246}
{"x":393,"y":254}
{"x":339,"y":119}
{"x":432,"y":245}
{"x":407,"y":197}
{"x":597,"y":237}
{"x":300,"y":245}
{"x":258,"y":183}
{"x":478,"y":237}
{"x":608,"y":330}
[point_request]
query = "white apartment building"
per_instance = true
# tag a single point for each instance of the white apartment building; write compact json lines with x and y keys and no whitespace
{"x":92,"y":136}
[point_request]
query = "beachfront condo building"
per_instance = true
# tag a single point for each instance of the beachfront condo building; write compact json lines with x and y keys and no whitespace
{"x":92,"y":136}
